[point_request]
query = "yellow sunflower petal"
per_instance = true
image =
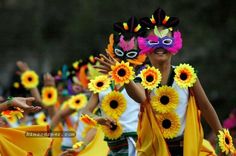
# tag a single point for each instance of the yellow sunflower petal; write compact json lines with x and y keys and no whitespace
{"x":11,"y":113}
{"x":113,"y":133}
{"x":165,"y":100}
{"x":49,"y":96}
{"x":78,"y":145}
{"x":151,"y":77}
{"x":122,"y":73}
{"x":85,"y":118}
{"x":225,"y":141}
{"x":29,"y":79}
{"x":41,"y":119}
{"x":78,"y":101}
{"x":185,"y":76}
{"x":99,"y":84}
{"x":169,"y":124}
{"x":114,"y":104}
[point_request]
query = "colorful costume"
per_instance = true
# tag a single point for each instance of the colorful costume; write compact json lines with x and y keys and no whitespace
{"x":169,"y":121}
{"x":115,"y":103}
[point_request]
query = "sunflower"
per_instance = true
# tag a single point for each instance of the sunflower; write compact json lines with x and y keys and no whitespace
{"x":29,"y":79}
{"x":225,"y":141}
{"x":151,"y":77}
{"x":165,"y":99}
{"x":85,"y":118}
{"x":78,"y":145}
{"x":185,"y":75}
{"x":122,"y":73}
{"x":49,"y":96}
{"x":41,"y":119}
{"x":12,"y":119}
{"x":100,"y":83}
{"x":169,"y":124}
{"x":114,"y":104}
{"x":17,"y":112}
{"x":78,"y":101}
{"x":113,"y":132}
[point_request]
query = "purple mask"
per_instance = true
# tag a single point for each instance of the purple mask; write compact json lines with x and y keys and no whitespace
{"x":150,"y":43}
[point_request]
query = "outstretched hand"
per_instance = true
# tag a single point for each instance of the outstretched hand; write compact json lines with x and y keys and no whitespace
{"x":106,"y":121}
{"x":25,"y":104}
{"x":105,"y":63}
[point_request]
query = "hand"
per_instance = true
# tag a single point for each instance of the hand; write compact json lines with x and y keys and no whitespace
{"x":70,"y":152}
{"x":105,"y":63}
{"x":48,"y":80}
{"x":105,"y":121}
{"x":24,"y":103}
{"x":23,"y":66}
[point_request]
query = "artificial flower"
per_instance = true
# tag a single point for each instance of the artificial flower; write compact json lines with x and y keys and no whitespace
{"x":151,"y":77}
{"x":78,"y":101}
{"x":100,"y":83}
{"x":29,"y":79}
{"x":165,"y":99}
{"x":122,"y":73}
{"x":114,"y":104}
{"x":225,"y":141}
{"x":185,"y":75}
{"x":49,"y":96}
{"x":169,"y":124}
{"x":113,"y":132}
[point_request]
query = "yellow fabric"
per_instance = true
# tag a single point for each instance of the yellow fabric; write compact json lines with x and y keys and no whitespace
{"x":207,"y":149}
{"x":193,"y":135}
{"x":56,"y":146}
{"x":13,"y":142}
{"x":151,"y":142}
{"x":97,"y":147}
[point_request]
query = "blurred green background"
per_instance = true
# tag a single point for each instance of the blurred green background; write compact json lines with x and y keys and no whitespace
{"x":49,"y":33}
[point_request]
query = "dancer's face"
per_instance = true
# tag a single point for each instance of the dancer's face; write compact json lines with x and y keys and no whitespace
{"x":159,"y":55}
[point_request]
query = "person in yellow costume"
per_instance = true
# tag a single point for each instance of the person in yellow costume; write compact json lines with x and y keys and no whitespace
{"x":169,"y":119}
{"x":16,"y":141}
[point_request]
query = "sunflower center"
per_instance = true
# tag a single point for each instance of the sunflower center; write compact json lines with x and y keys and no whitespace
{"x":183,"y":76}
{"x":114,"y":104}
{"x":30,"y":78}
{"x":166,"y":123}
{"x":164,"y":99}
{"x":77,"y":101}
{"x":49,"y":95}
{"x":113,"y":127}
{"x":149,"y":78}
{"x":121,"y":72}
{"x":227,"y":140}
{"x":100,"y":84}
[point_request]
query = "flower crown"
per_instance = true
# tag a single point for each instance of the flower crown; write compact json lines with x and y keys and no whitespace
{"x":128,"y":29}
{"x":159,"y":18}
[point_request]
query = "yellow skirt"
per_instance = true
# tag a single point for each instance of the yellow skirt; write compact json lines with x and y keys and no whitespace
{"x":13,"y":141}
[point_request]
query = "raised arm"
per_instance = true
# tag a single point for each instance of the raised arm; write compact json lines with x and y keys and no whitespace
{"x":21,"y":102}
{"x":60,"y":116}
{"x":134,"y":90}
{"x":34,"y":91}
